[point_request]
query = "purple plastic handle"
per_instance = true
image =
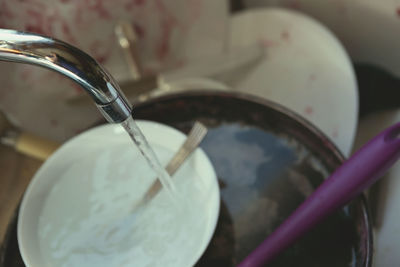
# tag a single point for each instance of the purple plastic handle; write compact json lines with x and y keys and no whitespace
{"x":349,"y":180}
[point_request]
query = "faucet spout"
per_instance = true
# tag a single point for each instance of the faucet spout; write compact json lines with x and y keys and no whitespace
{"x":28,"y":48}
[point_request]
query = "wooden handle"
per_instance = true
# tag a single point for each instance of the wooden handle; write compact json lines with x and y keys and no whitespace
{"x":35,"y":146}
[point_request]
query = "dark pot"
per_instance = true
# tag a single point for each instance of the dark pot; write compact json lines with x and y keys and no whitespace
{"x":268,"y":159}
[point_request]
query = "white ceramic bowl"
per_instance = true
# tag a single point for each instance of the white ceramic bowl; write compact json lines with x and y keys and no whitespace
{"x":305,"y":68}
{"x":77,"y":210}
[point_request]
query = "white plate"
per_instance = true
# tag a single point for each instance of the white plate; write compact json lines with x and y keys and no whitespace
{"x":387,"y":195}
{"x":305,"y":68}
{"x":77,"y":211}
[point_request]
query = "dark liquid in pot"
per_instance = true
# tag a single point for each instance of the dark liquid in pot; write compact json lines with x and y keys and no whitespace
{"x":264,"y":177}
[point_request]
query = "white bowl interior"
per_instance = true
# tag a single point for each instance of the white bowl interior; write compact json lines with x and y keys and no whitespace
{"x":81,"y":175}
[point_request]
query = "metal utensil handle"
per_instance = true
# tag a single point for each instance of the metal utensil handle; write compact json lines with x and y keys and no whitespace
{"x":193,"y":140}
{"x":127,"y":40}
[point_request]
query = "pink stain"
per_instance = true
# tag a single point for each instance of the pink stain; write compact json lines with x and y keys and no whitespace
{"x":101,"y":58}
{"x":43,"y":20}
{"x":35,"y":22}
{"x":162,"y":49}
{"x":313,"y":77}
{"x":195,"y":10}
{"x":67,"y":33}
{"x":100,"y":53}
{"x":35,"y":29}
{"x":149,"y":70}
{"x":285,"y":35}
{"x":97,"y":7}
{"x":50,"y":21}
{"x":398,"y":11}
{"x":78,"y":16}
{"x":335,"y":133}
{"x":139,"y":30}
{"x":308,"y":110}
{"x":264,"y":42}
{"x":77,"y":88}
{"x":168,"y":22}
{"x":134,"y":3}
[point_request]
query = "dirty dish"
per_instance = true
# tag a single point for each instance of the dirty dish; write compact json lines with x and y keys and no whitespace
{"x":171,"y":34}
{"x":305,"y":68}
{"x":357,"y":23}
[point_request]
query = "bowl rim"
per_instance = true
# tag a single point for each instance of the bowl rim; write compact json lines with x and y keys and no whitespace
{"x":145,"y":125}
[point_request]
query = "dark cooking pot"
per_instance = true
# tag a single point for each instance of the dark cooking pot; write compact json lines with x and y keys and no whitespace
{"x":268,"y":160}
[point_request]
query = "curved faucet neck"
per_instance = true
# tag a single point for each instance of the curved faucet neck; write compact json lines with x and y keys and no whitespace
{"x":71,"y":62}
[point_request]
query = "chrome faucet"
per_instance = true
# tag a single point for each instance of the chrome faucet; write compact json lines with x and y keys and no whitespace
{"x":61,"y":57}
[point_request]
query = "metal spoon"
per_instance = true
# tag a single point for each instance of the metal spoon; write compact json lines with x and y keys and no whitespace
{"x":127,"y":40}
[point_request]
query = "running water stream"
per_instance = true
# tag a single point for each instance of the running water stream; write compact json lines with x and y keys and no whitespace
{"x":139,"y":139}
